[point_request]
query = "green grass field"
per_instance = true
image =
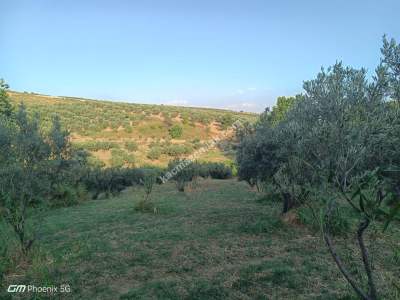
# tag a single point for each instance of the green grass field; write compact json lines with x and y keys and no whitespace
{"x":215,"y":241}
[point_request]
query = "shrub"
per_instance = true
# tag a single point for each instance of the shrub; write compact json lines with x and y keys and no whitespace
{"x":96,"y":145}
{"x":214,"y":170}
{"x":176,"y":131}
{"x":109,"y":181}
{"x":32,"y":167}
{"x":185,"y":172}
{"x":178,"y":150}
{"x":196,"y":143}
{"x":225,"y":121}
{"x":144,"y":206}
{"x":154,"y":153}
{"x":112,"y":181}
{"x":119,"y":158}
{"x":65,"y":195}
{"x":148,"y":181}
{"x":131,"y":146}
{"x":94,"y":162}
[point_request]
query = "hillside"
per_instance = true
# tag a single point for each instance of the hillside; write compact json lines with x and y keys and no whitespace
{"x":118,"y":134}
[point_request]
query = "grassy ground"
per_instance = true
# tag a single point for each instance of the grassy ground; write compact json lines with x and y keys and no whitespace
{"x":213,"y":242}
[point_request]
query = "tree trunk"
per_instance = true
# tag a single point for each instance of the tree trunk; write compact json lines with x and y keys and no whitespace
{"x":288,"y":202}
{"x":371,"y":295}
{"x":364,"y":253}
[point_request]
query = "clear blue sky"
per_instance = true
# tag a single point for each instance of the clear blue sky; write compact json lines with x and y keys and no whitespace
{"x":218,"y":53}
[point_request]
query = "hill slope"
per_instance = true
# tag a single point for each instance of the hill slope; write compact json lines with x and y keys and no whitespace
{"x":134,"y":134}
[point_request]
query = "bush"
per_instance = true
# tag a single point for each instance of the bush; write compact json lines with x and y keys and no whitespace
{"x":34,"y":168}
{"x":154,"y":153}
{"x":65,"y":195}
{"x":94,"y":162}
{"x":144,"y":206}
{"x":148,"y":181}
{"x":214,"y":170}
{"x":220,"y":171}
{"x":197,"y":144}
{"x":109,"y":181}
{"x":112,"y":180}
{"x":226,"y":120}
{"x":178,"y":150}
{"x":96,"y":145}
{"x":176,"y":131}
{"x":131,"y":146}
{"x":186,"y":172}
{"x":119,"y":159}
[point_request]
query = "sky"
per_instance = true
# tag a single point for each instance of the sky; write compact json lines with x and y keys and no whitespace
{"x":238,"y":55}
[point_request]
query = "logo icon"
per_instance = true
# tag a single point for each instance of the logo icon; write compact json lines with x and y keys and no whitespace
{"x":16,"y":288}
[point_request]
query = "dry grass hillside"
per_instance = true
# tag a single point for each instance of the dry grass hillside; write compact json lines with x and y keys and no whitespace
{"x":118,"y":134}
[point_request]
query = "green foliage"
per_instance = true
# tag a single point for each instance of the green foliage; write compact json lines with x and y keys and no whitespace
{"x":333,"y":139}
{"x":108,"y":181}
{"x":131,"y":146}
{"x":101,"y":125}
{"x":215,"y":170}
{"x":95,"y":163}
{"x":226,"y":120}
{"x":333,"y":133}
{"x":154,"y":153}
{"x":144,"y":206}
{"x":279,"y":111}
{"x":178,"y":150}
{"x":390,"y":62}
{"x":176,"y":131}
{"x":183,"y":172}
{"x":149,"y":180}
{"x":339,"y":222}
{"x":97,"y":145}
{"x":111,"y":181}
{"x":35,"y":167}
{"x":6,"y":108}
{"x":120,"y":158}
{"x":66,"y":195}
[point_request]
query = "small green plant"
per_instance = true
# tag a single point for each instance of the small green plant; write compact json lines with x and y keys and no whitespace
{"x":148,"y":183}
{"x":184,"y":172}
{"x":176,"y":131}
{"x":154,"y":153}
{"x":146,"y":205}
{"x":178,"y":150}
{"x":131,"y":146}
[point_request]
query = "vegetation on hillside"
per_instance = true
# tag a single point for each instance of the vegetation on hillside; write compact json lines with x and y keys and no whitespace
{"x":100,"y":126}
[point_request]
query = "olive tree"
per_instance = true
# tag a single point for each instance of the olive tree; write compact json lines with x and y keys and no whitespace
{"x":24,"y":178}
{"x":32,"y":164}
{"x":340,"y":141}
